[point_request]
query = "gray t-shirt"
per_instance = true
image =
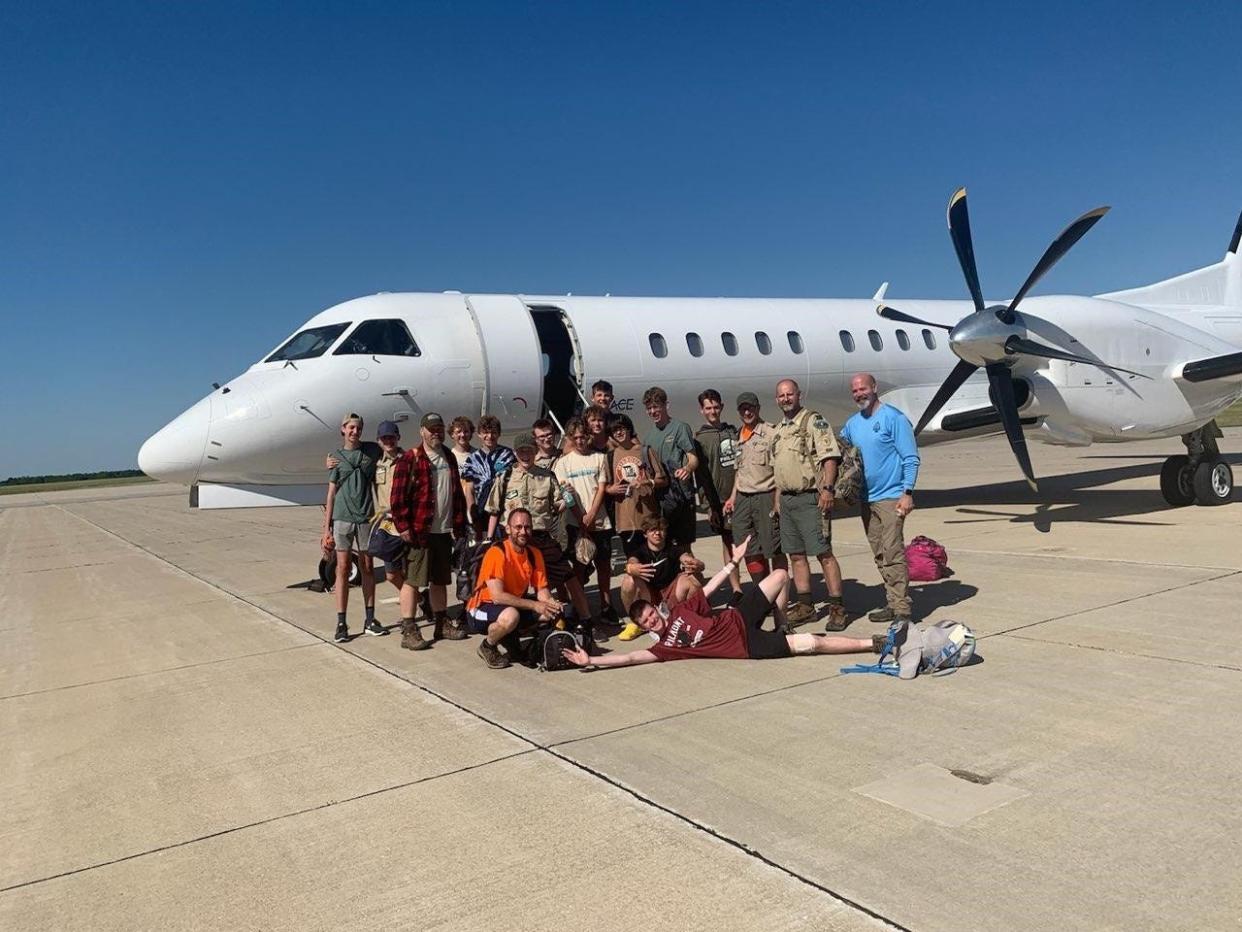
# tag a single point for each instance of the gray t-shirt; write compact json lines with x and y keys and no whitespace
{"x":354,"y":476}
{"x":671,"y":444}
{"x":442,"y":523}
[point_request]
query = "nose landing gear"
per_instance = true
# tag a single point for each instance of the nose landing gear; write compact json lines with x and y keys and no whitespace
{"x":1200,"y":476}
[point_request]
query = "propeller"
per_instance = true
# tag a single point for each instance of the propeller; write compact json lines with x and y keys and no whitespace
{"x":994,"y":338}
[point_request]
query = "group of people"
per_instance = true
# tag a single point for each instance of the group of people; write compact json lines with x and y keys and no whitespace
{"x":545,"y":512}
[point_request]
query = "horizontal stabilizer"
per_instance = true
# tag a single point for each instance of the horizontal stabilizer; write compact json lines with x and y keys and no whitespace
{"x":1217,"y":367}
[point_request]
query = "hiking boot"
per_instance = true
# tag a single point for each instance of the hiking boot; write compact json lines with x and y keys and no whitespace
{"x":411,"y":637}
{"x":799,"y":613}
{"x":342,"y":633}
{"x":837,"y":620}
{"x":608,"y":614}
{"x":448,"y":629}
{"x":882,"y":616}
{"x":630,"y":631}
{"x":373,"y":627}
{"x":492,"y":656}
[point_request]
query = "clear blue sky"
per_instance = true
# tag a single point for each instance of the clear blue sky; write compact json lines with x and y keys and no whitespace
{"x":183,"y":184}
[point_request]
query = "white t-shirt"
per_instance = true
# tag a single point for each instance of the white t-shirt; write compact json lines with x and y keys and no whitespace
{"x":585,"y":474}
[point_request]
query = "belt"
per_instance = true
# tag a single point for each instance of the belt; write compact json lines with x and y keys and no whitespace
{"x":800,"y":492}
{"x":740,"y":492}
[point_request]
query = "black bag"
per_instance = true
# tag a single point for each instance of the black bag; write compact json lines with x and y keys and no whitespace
{"x":388,"y":547}
{"x":469,"y":561}
{"x":546,"y":649}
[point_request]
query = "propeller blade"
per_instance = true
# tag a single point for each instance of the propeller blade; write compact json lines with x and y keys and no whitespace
{"x":1001,"y":380}
{"x":1060,"y":246}
{"x":961,"y":372}
{"x":1032,"y":348}
{"x":959,"y":231}
{"x":891,"y":313}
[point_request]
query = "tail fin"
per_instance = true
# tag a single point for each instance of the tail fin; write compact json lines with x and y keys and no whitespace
{"x":1217,"y":284}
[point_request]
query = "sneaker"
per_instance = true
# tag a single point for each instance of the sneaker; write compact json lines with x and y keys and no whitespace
{"x":837,"y":620}
{"x":630,"y":631}
{"x":799,"y":613}
{"x":373,"y":627}
{"x":492,"y":656}
{"x":882,"y":616}
{"x":342,"y":633}
{"x":608,"y":614}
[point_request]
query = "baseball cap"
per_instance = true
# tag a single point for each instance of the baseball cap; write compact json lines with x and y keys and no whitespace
{"x":748,"y":398}
{"x":524,"y":440}
{"x":431,"y":419}
{"x":388,"y":429}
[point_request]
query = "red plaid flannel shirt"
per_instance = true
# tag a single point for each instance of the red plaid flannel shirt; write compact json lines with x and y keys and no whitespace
{"x":413,"y":503}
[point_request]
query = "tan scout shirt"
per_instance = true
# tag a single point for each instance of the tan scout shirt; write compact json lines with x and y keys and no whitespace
{"x":383,"y":490}
{"x":754,"y":461}
{"x":535,"y":490}
{"x":799,"y":449}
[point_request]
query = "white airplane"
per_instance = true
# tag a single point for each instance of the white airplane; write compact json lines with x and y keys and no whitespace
{"x":1157,"y":361}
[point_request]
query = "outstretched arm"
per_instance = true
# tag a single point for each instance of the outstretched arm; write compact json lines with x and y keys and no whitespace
{"x":581,"y":658}
{"x":739,"y":554}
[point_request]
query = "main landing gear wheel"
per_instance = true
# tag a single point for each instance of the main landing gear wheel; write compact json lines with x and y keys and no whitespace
{"x":1213,"y":482}
{"x":327,"y":571}
{"x":1177,"y":481}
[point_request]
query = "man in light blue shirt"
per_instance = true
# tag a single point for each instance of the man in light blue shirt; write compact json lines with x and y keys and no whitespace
{"x":885,"y":441}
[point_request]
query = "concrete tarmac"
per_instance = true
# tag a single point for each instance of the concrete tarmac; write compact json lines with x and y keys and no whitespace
{"x":183,"y":746}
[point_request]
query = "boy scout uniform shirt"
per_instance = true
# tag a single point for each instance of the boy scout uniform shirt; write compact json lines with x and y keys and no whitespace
{"x":535,"y":489}
{"x":383,"y":490}
{"x":754,"y":461}
{"x":800,"y":446}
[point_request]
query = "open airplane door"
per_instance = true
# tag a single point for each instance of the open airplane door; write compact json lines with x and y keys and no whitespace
{"x":512,"y":365}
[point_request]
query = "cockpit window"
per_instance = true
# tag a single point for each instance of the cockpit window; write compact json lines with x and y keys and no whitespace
{"x":309,"y":343}
{"x":379,"y":338}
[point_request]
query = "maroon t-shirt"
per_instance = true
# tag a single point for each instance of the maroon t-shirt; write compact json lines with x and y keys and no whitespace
{"x":693,"y":631}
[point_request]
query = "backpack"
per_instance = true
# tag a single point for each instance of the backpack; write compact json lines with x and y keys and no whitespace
{"x":926,"y":560}
{"x":469,"y":561}
{"x":848,"y":488}
{"x":546,"y":650}
{"x":937,"y":649}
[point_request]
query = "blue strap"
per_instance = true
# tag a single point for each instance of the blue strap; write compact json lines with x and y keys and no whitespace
{"x":888,"y":669}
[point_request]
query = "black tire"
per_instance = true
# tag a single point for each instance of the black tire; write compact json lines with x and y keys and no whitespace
{"x":327,"y":572}
{"x":1213,"y":482}
{"x":1177,"y":482}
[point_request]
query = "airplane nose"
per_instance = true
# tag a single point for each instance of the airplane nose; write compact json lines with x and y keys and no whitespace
{"x":175,"y":452}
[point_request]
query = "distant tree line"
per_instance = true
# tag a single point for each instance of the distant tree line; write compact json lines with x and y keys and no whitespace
{"x":72,"y":477}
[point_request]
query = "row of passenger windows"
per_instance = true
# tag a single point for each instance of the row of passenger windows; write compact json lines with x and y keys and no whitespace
{"x":763,"y":343}
{"x":369,"y":338}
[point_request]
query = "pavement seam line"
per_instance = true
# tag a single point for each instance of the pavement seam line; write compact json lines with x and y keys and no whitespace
{"x":1125,"y":601}
{"x":134,"y":676}
{"x":260,"y":822}
{"x":1126,"y":653}
{"x":1081,"y":559}
{"x":535,"y":745}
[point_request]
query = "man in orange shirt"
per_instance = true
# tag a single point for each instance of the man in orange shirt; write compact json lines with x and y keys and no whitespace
{"x":499,"y":606}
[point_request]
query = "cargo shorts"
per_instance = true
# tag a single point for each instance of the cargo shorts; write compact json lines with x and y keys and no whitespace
{"x":804,"y":529}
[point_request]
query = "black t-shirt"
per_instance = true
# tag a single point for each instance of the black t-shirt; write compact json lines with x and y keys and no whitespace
{"x":669,"y":563}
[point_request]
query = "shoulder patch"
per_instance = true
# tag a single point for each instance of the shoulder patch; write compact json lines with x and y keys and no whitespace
{"x":820,"y":423}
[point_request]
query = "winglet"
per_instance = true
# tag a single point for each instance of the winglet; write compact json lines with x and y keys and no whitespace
{"x":880,"y":292}
{"x":1237,"y":236}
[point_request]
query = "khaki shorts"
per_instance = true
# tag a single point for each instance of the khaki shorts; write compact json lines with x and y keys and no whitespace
{"x":803,"y":528}
{"x":753,"y":518}
{"x":431,"y":565}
